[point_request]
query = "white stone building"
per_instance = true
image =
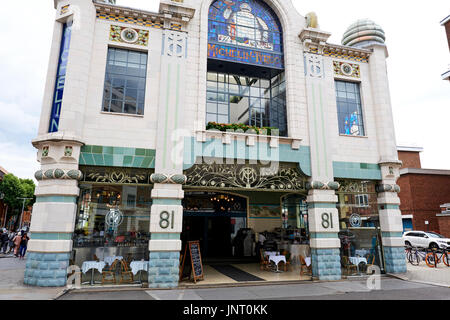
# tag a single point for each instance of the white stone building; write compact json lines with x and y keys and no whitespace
{"x":128,"y":167}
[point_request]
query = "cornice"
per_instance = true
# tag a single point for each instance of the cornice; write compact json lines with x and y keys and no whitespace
{"x":167,"y":14}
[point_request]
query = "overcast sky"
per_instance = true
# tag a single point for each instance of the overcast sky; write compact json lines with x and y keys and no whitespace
{"x":418,"y":55}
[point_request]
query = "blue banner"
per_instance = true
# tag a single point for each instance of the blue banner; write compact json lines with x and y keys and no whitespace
{"x":60,"y":78}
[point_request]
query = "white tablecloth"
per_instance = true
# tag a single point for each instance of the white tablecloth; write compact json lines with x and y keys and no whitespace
{"x":277,"y":259}
{"x":308,"y":261}
{"x":361,"y":252}
{"x":271,"y":253}
{"x":88,"y":265}
{"x":357,"y":260}
{"x":109,"y":260}
{"x":137,"y":266}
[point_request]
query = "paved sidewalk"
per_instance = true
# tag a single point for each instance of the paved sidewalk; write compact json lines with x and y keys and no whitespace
{"x":424,"y":274}
{"x":11,"y":282}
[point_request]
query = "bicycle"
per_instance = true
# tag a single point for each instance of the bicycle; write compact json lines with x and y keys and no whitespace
{"x":415,"y":255}
{"x":434,"y":258}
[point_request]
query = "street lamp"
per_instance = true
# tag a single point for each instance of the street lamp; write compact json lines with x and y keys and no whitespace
{"x":23,"y":206}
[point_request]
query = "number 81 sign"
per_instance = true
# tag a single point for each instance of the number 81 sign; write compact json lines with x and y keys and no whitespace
{"x":166,"y":219}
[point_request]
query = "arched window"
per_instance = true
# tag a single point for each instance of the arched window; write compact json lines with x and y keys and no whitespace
{"x":245,"y":65}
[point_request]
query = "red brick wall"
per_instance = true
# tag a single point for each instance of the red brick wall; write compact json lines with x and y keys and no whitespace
{"x":444,"y":226}
{"x":410,"y":159}
{"x":422,"y":195}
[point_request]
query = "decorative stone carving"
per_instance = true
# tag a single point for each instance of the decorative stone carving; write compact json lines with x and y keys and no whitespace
{"x":116,"y":175}
{"x":166,"y":179}
{"x":68,"y":150}
{"x":318,"y":185}
{"x":313,"y":65}
{"x":245,"y":176}
{"x":346,"y":69}
{"x":129,"y":35}
{"x":388,"y":188}
{"x":175,"y":44}
{"x":58,"y":174}
{"x":45,"y":150}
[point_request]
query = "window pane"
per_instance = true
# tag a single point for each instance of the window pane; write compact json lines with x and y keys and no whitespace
{"x":125,"y":81}
{"x":349,"y":108}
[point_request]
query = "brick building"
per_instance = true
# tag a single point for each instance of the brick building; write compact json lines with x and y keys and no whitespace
{"x":423,"y":194}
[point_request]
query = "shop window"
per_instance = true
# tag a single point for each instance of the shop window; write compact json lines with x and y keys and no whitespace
{"x":125,"y":79}
{"x":349,"y":108}
{"x":112,"y":220}
{"x":359,"y":226}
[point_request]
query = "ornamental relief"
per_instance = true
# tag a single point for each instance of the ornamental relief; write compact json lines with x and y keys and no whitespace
{"x":245,"y":176}
{"x":129,"y":35}
{"x":116,"y":175}
{"x":346,"y":69}
{"x":352,"y":186}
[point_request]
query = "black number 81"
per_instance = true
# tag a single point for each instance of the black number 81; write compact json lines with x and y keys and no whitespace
{"x":327,"y":220}
{"x":164,"y":222}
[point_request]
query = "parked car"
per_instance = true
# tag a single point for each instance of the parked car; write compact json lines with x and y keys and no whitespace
{"x":424,"y":239}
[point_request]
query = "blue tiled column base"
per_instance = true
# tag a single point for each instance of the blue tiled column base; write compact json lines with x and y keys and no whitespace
{"x":326,"y":264}
{"x":164,"y":268}
{"x":395,"y":260}
{"x":46,"y":269}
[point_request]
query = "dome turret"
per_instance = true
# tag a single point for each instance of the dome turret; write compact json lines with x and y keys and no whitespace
{"x":362,"y":33}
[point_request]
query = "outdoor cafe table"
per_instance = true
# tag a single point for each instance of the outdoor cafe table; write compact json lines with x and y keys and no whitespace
{"x":277,"y":260}
{"x":357,"y":260}
{"x":139,"y":266}
{"x":91,"y":265}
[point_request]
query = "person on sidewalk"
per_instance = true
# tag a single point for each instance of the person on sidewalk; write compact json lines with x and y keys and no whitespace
{"x":5,"y":241}
{"x":17,"y":239}
{"x":11,"y":236}
{"x":23,"y":245}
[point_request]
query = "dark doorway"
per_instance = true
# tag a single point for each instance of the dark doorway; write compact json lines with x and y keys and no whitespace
{"x":214,"y":219}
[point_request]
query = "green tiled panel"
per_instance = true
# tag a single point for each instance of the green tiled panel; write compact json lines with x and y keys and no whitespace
{"x":356,"y":170}
{"x":117,"y":157}
{"x":88,"y":159}
{"x":98,"y":158}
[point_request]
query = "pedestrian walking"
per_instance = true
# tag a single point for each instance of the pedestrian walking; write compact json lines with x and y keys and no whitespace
{"x":11,"y":236}
{"x":23,"y":245}
{"x":17,"y":239}
{"x":5,"y":241}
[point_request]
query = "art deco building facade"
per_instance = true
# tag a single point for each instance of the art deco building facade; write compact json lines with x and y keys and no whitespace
{"x":129,"y":167}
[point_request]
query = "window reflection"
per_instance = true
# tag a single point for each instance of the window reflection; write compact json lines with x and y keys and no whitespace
{"x":247,"y":100}
{"x":125,"y":78}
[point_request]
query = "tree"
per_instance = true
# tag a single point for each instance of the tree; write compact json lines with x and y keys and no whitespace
{"x":13,"y":189}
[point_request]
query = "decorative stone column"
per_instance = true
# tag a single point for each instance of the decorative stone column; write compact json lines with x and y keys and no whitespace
{"x":322,"y":212}
{"x":54,"y":213}
{"x":59,"y":143}
{"x":324,"y":227}
{"x":391,"y":218}
{"x":166,"y":220}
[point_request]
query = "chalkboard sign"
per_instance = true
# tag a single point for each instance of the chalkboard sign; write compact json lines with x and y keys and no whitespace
{"x":196,"y":261}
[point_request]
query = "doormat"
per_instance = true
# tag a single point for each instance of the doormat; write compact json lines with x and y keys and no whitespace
{"x":235,"y":273}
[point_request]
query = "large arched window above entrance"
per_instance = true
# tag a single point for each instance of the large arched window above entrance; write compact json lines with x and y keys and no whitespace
{"x":246,"y":83}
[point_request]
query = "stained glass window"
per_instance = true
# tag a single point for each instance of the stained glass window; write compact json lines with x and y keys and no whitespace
{"x":245,"y":31}
{"x":350,"y":116}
